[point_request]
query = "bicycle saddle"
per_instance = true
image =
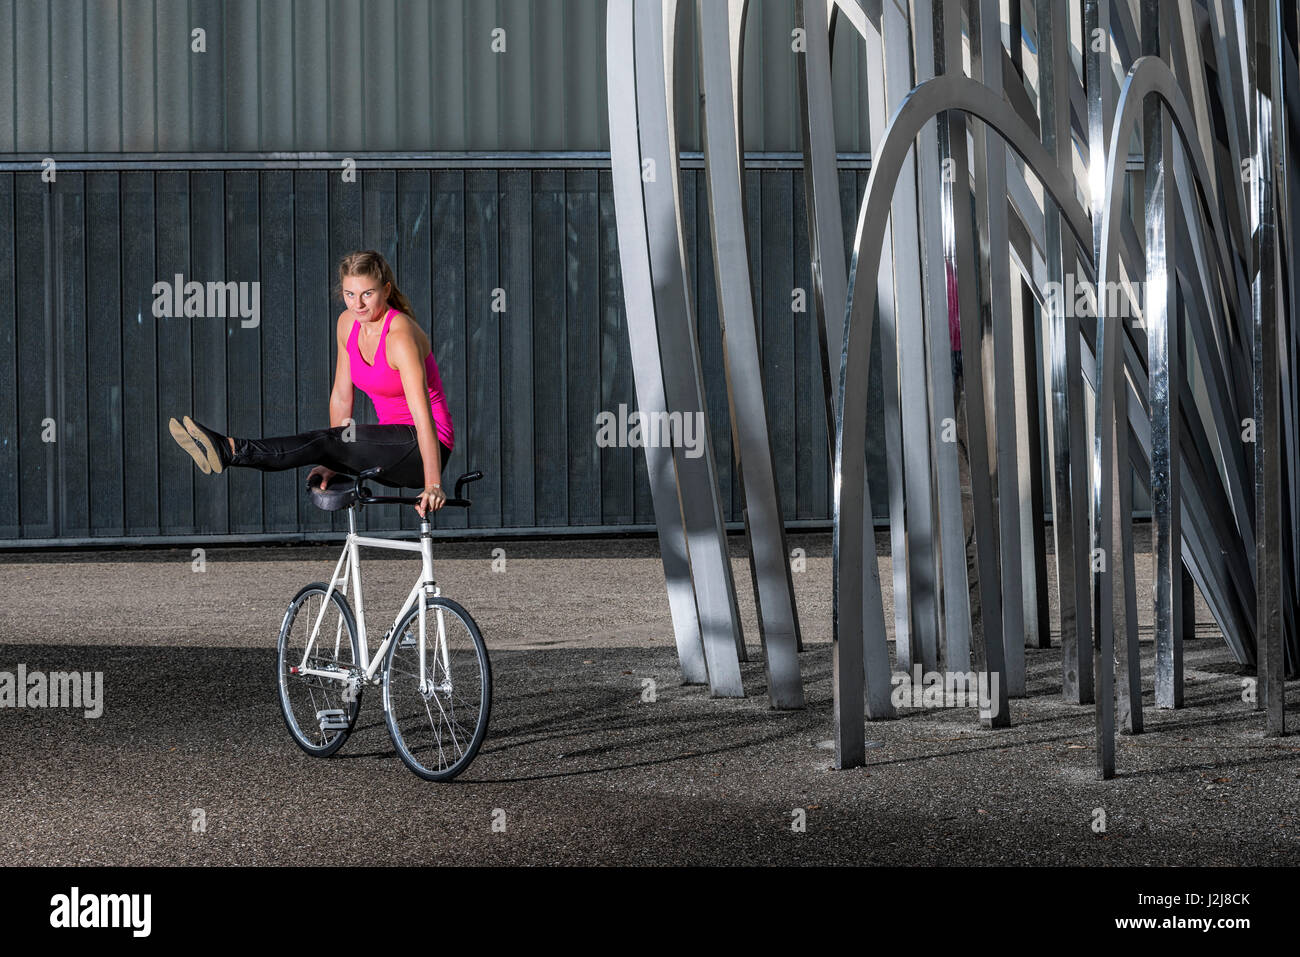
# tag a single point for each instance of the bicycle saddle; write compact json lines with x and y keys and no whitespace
{"x":341,"y":494}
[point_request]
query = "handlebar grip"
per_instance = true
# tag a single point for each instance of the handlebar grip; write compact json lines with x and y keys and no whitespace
{"x":464,"y":480}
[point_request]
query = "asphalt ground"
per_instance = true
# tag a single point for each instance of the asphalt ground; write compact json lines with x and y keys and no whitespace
{"x":190,"y":762}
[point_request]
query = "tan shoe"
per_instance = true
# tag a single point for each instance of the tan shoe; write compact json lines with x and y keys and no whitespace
{"x":208,"y":440}
{"x":187,"y":442}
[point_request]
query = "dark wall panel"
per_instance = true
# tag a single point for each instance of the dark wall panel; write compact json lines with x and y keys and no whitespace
{"x":315,"y":310}
{"x":550,"y":345}
{"x":70,"y":405}
{"x":141,"y":425}
{"x":618,"y":465}
{"x":483,"y":287}
{"x":525,"y":385}
{"x":208,"y":362}
{"x":448,"y":318}
{"x":243,"y":347}
{"x":177,"y":476}
{"x":515,"y":327}
{"x":277,"y":322}
{"x":582,"y":345}
{"x":104,"y":352}
{"x":9,"y":411}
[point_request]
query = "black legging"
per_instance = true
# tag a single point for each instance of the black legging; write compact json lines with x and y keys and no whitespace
{"x":394,"y":448}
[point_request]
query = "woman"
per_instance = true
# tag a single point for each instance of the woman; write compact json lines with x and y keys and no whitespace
{"x":382,"y":351}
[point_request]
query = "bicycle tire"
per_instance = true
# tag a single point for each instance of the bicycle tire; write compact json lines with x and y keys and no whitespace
{"x":317,"y":743}
{"x":413,"y":742}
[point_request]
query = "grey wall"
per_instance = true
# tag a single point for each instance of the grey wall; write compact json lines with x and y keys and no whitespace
{"x":343,"y":75}
{"x":79,"y":344}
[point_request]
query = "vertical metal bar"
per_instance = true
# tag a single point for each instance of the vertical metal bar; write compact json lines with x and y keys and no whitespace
{"x":932,"y":156}
{"x":972,"y":422}
{"x":1067,"y":413}
{"x":999,"y":339}
{"x":697,"y":480}
{"x":917,"y":421}
{"x":919,"y":408}
{"x":828,"y":267}
{"x":891,"y":402}
{"x":721,"y":32}
{"x":1164,"y":363}
{"x":1266,"y":117}
{"x":638,"y":298}
{"x":1096,"y":40}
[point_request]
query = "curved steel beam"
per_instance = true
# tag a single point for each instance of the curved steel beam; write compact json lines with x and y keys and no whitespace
{"x":661,"y":324}
{"x":647,"y":372}
{"x":1148,"y":76}
{"x":721,"y":35}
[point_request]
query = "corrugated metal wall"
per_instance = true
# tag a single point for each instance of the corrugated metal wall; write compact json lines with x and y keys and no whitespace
{"x":82,"y":353}
{"x":380,"y":75}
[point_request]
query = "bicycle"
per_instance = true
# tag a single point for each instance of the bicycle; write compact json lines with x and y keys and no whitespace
{"x":437,"y":695}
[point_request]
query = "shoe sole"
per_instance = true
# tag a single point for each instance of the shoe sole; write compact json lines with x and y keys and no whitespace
{"x":186,"y":442}
{"x":201,"y":439}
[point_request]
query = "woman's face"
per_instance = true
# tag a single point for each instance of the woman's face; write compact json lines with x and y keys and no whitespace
{"x":365,"y":297}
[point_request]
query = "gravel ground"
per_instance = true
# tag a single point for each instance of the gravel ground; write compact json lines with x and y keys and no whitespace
{"x":578,"y":767}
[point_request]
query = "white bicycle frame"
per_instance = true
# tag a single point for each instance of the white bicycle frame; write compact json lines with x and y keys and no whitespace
{"x":349,"y":564}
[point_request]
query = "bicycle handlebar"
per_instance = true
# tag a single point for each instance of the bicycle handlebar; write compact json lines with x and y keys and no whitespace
{"x":364,"y":496}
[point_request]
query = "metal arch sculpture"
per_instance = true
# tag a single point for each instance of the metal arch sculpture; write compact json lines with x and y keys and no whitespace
{"x":1194,"y":470}
{"x":852,"y":640}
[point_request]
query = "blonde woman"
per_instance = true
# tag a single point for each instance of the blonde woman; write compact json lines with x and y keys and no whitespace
{"x":383,"y":352}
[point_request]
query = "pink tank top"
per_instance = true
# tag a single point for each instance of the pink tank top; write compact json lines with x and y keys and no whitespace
{"x":384,"y":386}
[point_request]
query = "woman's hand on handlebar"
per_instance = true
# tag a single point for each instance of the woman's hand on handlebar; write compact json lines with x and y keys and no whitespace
{"x":326,"y":475}
{"x":431,"y":499}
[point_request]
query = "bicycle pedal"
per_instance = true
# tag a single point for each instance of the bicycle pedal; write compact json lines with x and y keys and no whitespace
{"x":332,"y":719}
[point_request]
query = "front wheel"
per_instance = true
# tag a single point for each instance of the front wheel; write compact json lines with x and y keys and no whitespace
{"x":320,"y":693}
{"x":437,"y":691}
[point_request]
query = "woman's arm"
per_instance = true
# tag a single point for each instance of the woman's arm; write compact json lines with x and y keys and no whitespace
{"x":344,"y":392}
{"x":404,"y":353}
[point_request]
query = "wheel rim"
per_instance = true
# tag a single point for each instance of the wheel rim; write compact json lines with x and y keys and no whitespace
{"x":437,"y":729}
{"x":303,"y":697}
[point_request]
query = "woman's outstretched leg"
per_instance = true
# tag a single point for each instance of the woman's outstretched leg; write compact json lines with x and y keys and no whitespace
{"x":345,"y":449}
{"x":214,"y":452}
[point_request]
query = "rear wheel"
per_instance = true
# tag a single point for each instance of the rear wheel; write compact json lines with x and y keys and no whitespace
{"x":437,"y":714}
{"x":320,"y":707}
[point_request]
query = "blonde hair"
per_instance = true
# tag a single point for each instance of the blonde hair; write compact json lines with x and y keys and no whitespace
{"x":371,"y":264}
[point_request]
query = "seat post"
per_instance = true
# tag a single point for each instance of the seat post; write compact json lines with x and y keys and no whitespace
{"x":352,"y":519}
